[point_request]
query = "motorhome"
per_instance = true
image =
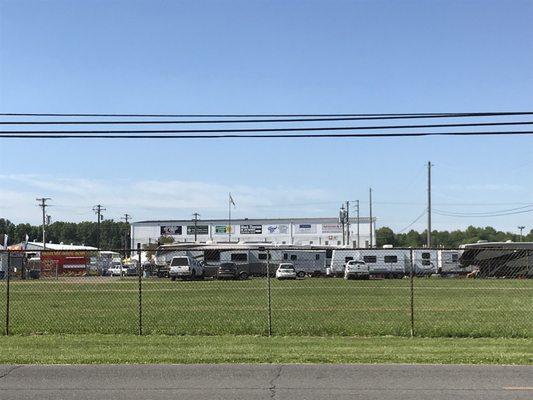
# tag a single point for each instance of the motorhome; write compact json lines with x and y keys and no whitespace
{"x":387,"y":262}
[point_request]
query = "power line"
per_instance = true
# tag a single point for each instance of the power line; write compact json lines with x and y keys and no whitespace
{"x":414,"y":222}
{"x":362,"y":115}
{"x":247,"y":121}
{"x":445,"y":214}
{"x":487,"y":213}
{"x":298,"y":129}
{"x":113,"y":135}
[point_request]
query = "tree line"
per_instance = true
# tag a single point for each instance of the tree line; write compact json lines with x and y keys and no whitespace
{"x":454,"y":238}
{"x":113,"y":235}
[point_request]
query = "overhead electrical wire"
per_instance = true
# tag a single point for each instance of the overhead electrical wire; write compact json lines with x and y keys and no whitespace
{"x":414,"y":222}
{"x":149,"y":134}
{"x":487,"y":212}
{"x":338,"y":115}
{"x":445,"y":214}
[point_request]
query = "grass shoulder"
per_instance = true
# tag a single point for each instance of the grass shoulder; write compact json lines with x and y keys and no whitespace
{"x":153,"y":349}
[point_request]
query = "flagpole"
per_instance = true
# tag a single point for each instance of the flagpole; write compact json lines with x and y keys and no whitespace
{"x":229,"y":218}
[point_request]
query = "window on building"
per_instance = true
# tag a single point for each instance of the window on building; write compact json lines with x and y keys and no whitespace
{"x":285,"y":256}
{"x":317,"y":256}
{"x":338,"y":242}
{"x":283,"y":242}
{"x":239,"y":257}
{"x":370,"y":259}
{"x":329,"y":253}
{"x":311,"y":242}
{"x":391,"y":259}
{"x":294,"y":257}
{"x":326,"y":242}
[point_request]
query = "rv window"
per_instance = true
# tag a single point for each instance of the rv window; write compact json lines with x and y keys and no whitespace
{"x":346,"y":259}
{"x":285,"y":256}
{"x":263,"y":256}
{"x":329,"y":253}
{"x":294,"y":257}
{"x":317,"y":256}
{"x":239,"y":257}
{"x":426,"y":256}
{"x":338,"y":242}
{"x":370,"y":259}
{"x":455,"y":257}
{"x":212,"y":255}
{"x":391,"y":259}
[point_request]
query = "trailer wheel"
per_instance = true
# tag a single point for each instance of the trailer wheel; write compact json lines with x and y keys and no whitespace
{"x":172,"y":278}
{"x":243,"y":276}
{"x":300,"y":274}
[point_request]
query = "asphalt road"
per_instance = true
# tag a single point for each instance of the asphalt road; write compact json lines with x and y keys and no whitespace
{"x":198,"y":382}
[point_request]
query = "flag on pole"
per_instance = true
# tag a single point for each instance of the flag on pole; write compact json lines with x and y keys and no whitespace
{"x":231,"y":200}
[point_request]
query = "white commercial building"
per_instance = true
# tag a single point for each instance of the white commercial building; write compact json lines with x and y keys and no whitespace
{"x":297,"y":231}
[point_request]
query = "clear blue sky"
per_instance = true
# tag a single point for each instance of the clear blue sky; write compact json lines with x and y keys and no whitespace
{"x":267,"y":57}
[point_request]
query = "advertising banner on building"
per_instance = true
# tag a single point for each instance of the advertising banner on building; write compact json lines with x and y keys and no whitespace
{"x":251,"y":229}
{"x":171,"y":230}
{"x":223,"y":229}
{"x":200,"y":230}
{"x":306,"y":228}
{"x":331,"y":228}
{"x":278,"y":229}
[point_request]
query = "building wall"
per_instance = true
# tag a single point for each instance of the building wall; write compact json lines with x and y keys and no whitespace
{"x":300,"y":231}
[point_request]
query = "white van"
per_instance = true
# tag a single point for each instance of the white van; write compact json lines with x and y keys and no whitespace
{"x":185,"y":267}
{"x":356,"y":269}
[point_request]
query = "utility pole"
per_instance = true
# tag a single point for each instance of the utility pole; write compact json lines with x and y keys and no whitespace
{"x":42,"y":203}
{"x":357,"y":204}
{"x":98,"y":211}
{"x":521,"y":230}
{"x":126,"y":218}
{"x":195,"y":219}
{"x":348,"y":223}
{"x":429,"y":205}
{"x":371,"y":224}
{"x":342,"y":219}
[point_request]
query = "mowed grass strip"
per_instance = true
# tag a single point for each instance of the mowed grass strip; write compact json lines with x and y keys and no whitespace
{"x":314,"y":306}
{"x":114,"y":349}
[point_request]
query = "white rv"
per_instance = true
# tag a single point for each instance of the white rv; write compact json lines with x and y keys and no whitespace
{"x":387,"y":262}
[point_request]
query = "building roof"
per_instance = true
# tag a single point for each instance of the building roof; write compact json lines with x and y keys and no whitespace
{"x":252,"y":221}
{"x":49,"y":246}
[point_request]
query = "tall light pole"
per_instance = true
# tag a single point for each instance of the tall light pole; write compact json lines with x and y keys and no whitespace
{"x":342,"y":220}
{"x":357,"y":204}
{"x":428,"y":240}
{"x":42,"y":203}
{"x":521,"y":230}
{"x":370,"y":204}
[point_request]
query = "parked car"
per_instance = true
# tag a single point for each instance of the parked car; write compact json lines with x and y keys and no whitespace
{"x":229,"y":270}
{"x":185,"y":267}
{"x":116,"y":269}
{"x":356,"y":269}
{"x":286,"y":271}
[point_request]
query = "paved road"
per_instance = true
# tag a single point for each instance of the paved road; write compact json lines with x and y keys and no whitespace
{"x":199,"y":382}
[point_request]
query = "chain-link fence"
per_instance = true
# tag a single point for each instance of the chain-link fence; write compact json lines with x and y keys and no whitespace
{"x":202,"y":289}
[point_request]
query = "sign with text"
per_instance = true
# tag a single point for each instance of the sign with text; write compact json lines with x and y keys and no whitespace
{"x":331,"y":228}
{"x":251,"y":229}
{"x":306,"y":228}
{"x":200,"y":229}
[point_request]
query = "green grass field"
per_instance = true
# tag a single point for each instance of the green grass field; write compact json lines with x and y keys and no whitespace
{"x":314,"y":306}
{"x":156,"y":349}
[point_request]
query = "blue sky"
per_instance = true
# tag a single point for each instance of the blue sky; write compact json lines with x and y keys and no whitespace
{"x":267,"y":57}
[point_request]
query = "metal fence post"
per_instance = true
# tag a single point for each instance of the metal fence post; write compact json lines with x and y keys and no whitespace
{"x":411,"y":292}
{"x":269,"y":296}
{"x":7,"y":291}
{"x":140,"y":291}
